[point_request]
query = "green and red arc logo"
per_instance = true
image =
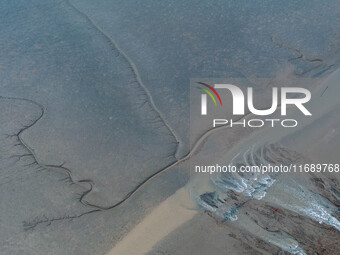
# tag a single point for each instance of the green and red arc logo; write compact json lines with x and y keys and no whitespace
{"x":209,"y":93}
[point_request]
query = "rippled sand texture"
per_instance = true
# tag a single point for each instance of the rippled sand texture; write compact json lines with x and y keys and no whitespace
{"x":294,"y":213}
{"x":94,"y":114}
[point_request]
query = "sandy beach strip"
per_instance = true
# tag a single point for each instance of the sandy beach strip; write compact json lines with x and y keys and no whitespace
{"x":164,"y":219}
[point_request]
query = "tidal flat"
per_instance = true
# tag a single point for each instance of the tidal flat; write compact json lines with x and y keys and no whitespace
{"x":98,"y":145}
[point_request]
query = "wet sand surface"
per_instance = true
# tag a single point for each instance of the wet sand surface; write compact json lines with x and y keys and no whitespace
{"x":297,"y":214}
{"x":95,"y":149}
